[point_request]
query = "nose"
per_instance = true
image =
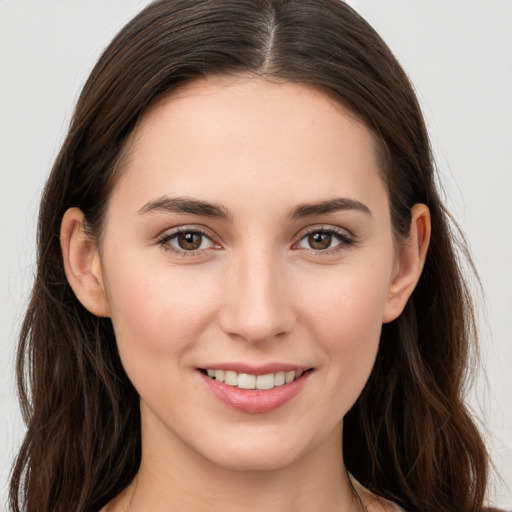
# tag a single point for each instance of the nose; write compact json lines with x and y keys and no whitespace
{"x":257,"y":304}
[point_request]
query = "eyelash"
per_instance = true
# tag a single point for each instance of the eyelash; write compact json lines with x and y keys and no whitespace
{"x":164,"y":241}
{"x":345,"y":241}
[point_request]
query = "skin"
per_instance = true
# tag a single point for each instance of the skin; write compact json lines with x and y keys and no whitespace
{"x":257,"y":291}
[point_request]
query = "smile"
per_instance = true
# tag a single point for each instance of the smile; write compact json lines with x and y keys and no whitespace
{"x":255,"y":390}
{"x":250,"y":381}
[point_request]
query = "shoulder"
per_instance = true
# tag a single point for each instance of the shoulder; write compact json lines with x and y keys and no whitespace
{"x":372,"y":502}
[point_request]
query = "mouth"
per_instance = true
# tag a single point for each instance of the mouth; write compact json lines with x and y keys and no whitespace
{"x":248,"y":381}
{"x":255,"y":390}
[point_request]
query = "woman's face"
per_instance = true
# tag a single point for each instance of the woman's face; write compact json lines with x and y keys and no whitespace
{"x":249,"y":233}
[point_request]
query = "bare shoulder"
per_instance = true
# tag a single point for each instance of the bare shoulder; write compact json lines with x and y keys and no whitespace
{"x":381,"y":505}
{"x":372,"y":502}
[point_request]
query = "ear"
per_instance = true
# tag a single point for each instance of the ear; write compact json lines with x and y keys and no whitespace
{"x":82,"y":263}
{"x":409,"y":265}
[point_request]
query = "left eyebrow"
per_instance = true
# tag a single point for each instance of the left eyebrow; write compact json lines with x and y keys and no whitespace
{"x":332,"y":205}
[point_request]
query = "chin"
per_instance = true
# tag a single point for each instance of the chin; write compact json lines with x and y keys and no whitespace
{"x":259,"y":459}
{"x":262,"y":451}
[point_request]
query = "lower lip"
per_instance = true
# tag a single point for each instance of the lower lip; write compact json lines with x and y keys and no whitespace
{"x":255,"y":401}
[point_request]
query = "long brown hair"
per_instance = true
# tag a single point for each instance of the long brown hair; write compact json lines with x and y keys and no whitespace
{"x":409,"y":437}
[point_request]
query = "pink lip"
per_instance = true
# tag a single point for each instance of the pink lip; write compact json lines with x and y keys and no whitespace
{"x":251,"y":400}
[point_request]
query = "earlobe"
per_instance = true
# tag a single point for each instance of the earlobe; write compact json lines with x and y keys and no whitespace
{"x":82,"y":263}
{"x":411,"y":259}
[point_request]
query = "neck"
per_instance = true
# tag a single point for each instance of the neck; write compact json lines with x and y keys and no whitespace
{"x":179,"y":479}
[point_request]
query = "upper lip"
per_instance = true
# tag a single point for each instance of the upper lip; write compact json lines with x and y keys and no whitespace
{"x":262,"y":369}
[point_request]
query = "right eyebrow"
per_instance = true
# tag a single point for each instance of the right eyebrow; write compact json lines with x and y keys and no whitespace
{"x":186,"y":205}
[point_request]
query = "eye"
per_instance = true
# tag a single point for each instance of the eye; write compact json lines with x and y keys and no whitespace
{"x":325,"y":239}
{"x":187,"y":241}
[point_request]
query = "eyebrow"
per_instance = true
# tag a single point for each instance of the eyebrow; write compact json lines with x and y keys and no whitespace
{"x":332,"y":205}
{"x":185,"y":205}
{"x":205,"y":209}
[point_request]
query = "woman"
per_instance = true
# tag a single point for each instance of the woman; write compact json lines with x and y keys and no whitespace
{"x":247,"y":293}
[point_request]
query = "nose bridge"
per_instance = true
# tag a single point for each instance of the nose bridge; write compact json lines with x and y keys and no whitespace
{"x":257,"y":306}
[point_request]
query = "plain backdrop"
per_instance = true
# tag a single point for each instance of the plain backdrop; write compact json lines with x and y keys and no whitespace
{"x":457,"y":53}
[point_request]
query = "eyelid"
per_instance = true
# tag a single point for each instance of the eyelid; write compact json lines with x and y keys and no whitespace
{"x":346,"y":238}
{"x":171,"y":233}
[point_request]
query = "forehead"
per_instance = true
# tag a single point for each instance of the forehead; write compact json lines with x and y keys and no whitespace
{"x":228,"y":103}
{"x":222,"y":133}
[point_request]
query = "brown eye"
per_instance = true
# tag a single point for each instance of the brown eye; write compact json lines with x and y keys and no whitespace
{"x":189,"y":241}
{"x":326,"y":240}
{"x":320,"y":241}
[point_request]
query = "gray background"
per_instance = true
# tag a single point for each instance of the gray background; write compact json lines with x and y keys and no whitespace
{"x":458,"y":54}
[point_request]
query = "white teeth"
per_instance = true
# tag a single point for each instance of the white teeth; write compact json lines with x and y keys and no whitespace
{"x":231,"y":378}
{"x":279,"y":379}
{"x":265,"y":381}
{"x":248,"y":381}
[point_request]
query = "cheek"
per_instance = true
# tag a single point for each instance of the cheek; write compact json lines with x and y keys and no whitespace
{"x":345,"y":318}
{"x":351,"y":335}
{"x":158,"y":312}
{"x":346,"y":302}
